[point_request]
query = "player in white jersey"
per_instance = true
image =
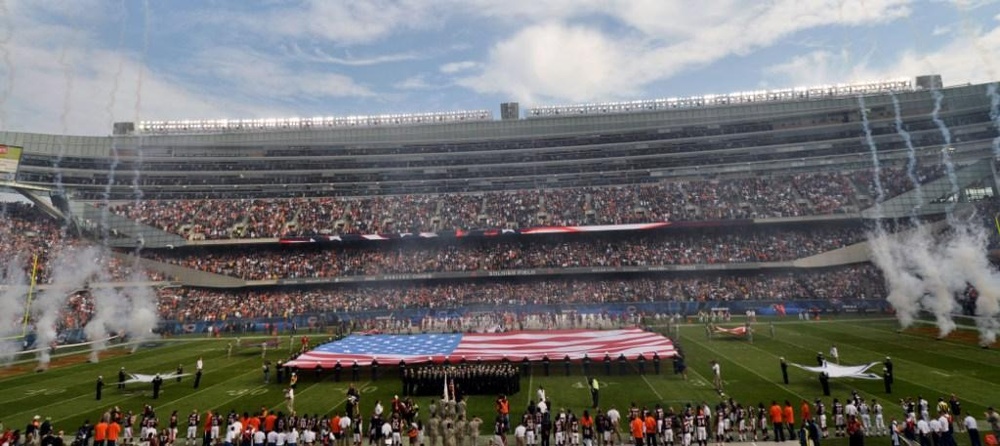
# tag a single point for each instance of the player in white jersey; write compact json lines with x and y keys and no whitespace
{"x":866,"y":418}
{"x":193,"y":420}
{"x":877,"y":409}
{"x":531,"y":429}
{"x":560,"y":428}
{"x":687,"y":429}
{"x":668,"y":428}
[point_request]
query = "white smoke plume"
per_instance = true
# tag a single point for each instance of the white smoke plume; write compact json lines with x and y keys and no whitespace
{"x":967,"y":255}
{"x":71,"y":269}
{"x":143,"y":316}
{"x":110,"y":309}
{"x":12,"y":299}
{"x":926,"y":261}
{"x":993,"y":91}
{"x":911,"y":154}
{"x":904,"y":287}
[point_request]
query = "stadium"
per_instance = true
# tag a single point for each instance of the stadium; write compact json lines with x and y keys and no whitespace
{"x":678,"y":216}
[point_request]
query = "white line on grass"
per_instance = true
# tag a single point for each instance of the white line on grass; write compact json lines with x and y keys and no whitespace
{"x":749,"y":369}
{"x":112,"y":399}
{"x":335,"y":406}
{"x":901,"y":360}
{"x":658,"y":396}
{"x":207,"y":388}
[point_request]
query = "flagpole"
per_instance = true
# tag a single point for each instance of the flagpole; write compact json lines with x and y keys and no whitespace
{"x":31,"y":291}
{"x":446,"y":387}
{"x":27,"y":303}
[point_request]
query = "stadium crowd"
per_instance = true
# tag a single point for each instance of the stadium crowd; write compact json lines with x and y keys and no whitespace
{"x":786,"y":195}
{"x":195,"y":304}
{"x":662,"y":248}
{"x":26,"y":232}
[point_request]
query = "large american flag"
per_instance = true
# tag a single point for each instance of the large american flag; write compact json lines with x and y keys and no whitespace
{"x":420,"y":348}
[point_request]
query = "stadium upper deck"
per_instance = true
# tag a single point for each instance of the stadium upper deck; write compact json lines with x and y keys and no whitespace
{"x":576,"y":147}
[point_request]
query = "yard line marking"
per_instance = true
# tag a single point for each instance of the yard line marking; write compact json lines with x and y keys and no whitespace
{"x":658,"y":396}
{"x":896,"y":378}
{"x":762,"y":377}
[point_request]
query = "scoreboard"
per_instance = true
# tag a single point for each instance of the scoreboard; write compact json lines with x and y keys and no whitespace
{"x":10,"y":157}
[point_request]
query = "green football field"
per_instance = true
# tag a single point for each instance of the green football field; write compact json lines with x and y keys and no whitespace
{"x":924,"y":366}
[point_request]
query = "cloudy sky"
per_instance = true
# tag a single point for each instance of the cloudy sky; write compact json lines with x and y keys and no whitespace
{"x":76,"y":66}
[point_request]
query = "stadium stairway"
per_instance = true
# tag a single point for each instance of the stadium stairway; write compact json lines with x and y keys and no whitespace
{"x":126,"y":233}
{"x":186,"y":276}
{"x":902,"y":205}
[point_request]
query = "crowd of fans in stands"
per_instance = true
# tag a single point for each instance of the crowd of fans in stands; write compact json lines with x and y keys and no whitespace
{"x":27,"y":232}
{"x":663,"y":248}
{"x":192,"y":305}
{"x":814,"y":193}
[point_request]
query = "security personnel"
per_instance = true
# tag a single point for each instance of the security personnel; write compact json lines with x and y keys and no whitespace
{"x":545,"y":364}
{"x":607,"y":364}
{"x":622,"y":361}
{"x":784,"y":370}
{"x":337,"y":368}
{"x":656,"y":362}
{"x":566,"y":363}
{"x":887,"y":379}
{"x":586,"y":365}
{"x":157,"y":382}
{"x":642,"y":364}
{"x":888,"y":368}
{"x":355,"y":371}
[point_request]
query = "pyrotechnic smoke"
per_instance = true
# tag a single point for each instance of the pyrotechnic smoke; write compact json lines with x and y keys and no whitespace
{"x":911,"y":153}
{"x":64,"y":119}
{"x":109,"y":110}
{"x":110,"y":310}
{"x":968,"y":259}
{"x":925,"y":271}
{"x":142,"y":316}
{"x":12,"y":299}
{"x":876,"y":164}
{"x":71,"y":269}
{"x":926,"y":260}
{"x":8,"y":74}
{"x":945,"y":151}
{"x":994,"y":95}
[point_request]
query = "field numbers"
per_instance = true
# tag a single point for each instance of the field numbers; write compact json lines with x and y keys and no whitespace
{"x":37,"y":392}
{"x":246,"y":392}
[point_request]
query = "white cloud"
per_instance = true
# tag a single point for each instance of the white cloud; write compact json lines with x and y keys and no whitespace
{"x":65,"y":81}
{"x":343,"y":22}
{"x":969,"y":57}
{"x":971,"y":4}
{"x":418,"y":82}
{"x":941,"y":30}
{"x":455,"y":67}
{"x":556,"y":61}
{"x":260,"y":75}
{"x":563,"y":62}
{"x":321,"y":56}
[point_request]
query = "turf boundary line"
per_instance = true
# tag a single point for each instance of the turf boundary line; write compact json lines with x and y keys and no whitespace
{"x":895,"y":378}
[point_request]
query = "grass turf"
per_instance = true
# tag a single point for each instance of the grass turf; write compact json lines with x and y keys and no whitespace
{"x":924,"y":366}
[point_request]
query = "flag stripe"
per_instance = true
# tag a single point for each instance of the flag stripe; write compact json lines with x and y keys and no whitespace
{"x":534,"y":345}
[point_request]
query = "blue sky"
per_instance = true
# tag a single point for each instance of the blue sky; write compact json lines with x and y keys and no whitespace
{"x":77,"y":66}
